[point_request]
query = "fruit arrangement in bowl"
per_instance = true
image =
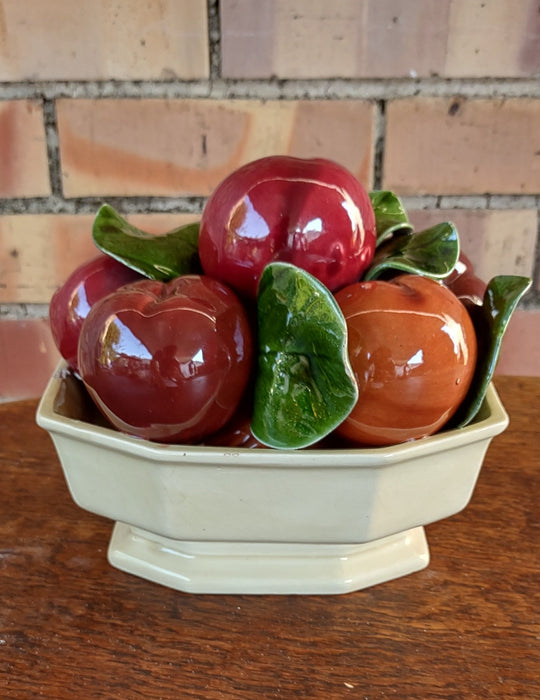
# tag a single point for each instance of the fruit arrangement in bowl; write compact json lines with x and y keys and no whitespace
{"x":298,"y":380}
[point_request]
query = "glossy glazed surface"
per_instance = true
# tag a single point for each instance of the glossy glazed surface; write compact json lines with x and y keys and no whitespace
{"x":463,"y":281}
{"x":311,"y":213}
{"x":72,"y":302}
{"x":167,"y":362}
{"x":237,"y":432}
{"x":304,"y":385}
{"x":209,"y":494}
{"x":413,"y":350}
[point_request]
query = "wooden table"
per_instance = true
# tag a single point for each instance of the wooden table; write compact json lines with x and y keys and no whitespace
{"x":466,"y":627}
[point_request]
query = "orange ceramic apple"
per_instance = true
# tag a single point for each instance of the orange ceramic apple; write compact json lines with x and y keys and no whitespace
{"x":412,"y":347}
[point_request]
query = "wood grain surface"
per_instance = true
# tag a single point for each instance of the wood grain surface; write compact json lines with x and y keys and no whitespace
{"x":468,"y":626}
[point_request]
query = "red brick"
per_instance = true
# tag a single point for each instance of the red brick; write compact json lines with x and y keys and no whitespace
{"x":186,"y":147}
{"x":499,"y":38}
{"x":24,"y":169}
{"x":38,"y":252}
{"x":103,"y":39}
{"x":462,"y":146}
{"x":27,"y":358}
{"x":520,"y":353}
{"x":375,"y":39}
{"x":498,"y":242}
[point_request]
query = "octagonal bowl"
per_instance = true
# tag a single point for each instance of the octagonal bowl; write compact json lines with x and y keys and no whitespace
{"x":237,"y":520}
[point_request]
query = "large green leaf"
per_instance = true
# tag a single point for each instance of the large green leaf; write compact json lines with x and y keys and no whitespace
{"x":159,"y":257}
{"x":390,"y":214}
{"x":305,"y":385}
{"x":431,"y":253}
{"x":490,"y":320}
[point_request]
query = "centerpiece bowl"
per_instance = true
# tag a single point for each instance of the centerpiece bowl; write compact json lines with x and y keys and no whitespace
{"x":207,"y":519}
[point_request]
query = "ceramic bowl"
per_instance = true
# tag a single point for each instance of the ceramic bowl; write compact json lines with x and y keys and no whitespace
{"x":238,"y":520}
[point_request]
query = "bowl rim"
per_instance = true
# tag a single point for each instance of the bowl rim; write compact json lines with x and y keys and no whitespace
{"x":494,"y":423}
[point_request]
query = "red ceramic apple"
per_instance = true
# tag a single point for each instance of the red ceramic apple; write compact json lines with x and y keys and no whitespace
{"x":463,"y":281}
{"x":413,"y":350}
{"x":312,"y":213}
{"x":237,"y":432}
{"x":71,"y":303}
{"x":167,"y":361}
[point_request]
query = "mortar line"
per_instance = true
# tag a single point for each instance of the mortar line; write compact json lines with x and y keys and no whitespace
{"x":18,"y":311}
{"x":218,"y":88}
{"x":53,"y":150}
{"x":194,"y":205}
{"x":214,"y":39}
{"x":90,"y":205}
{"x":379,"y":138}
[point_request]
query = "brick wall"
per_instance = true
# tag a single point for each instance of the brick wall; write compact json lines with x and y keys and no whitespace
{"x":148,"y":105}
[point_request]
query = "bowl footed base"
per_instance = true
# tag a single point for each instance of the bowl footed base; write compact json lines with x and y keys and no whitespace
{"x":266,"y":567}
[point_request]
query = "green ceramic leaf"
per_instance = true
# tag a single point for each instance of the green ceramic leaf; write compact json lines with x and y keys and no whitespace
{"x":390,"y":215}
{"x":431,"y":253}
{"x":305,"y":386}
{"x":157,"y":257}
{"x":490,"y":320}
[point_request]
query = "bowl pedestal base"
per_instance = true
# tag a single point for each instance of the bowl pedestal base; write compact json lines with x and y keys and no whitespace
{"x":266,"y":567}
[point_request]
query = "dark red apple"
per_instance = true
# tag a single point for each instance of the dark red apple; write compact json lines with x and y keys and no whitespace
{"x":312,"y":213}
{"x":71,"y":303}
{"x":237,"y":432}
{"x":465,"y":284}
{"x":412,"y":347}
{"x":167,"y":361}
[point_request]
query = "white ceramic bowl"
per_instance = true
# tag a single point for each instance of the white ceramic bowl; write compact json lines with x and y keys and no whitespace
{"x":230,"y":520}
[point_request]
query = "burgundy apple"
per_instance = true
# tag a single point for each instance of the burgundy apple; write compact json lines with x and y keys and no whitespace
{"x":465,"y":284}
{"x":71,"y":303}
{"x":167,"y":361}
{"x":312,"y":213}
{"x":237,"y":432}
{"x":412,"y":348}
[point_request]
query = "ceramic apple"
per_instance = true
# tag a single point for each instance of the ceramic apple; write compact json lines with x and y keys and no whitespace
{"x":167,"y":362}
{"x":413,"y":351}
{"x":236,"y":432}
{"x":72,"y":302}
{"x":465,"y":284}
{"x":312,"y":213}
